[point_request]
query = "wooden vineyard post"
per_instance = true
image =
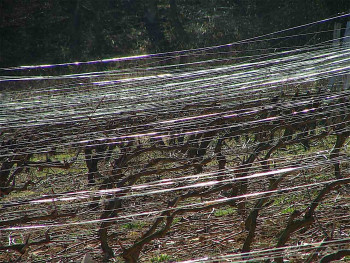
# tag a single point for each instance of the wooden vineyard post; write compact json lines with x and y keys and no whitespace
{"x":346,"y":44}
{"x":336,"y":43}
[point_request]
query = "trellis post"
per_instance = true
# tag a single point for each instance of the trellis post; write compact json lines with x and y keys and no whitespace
{"x":336,"y":44}
{"x":346,"y":44}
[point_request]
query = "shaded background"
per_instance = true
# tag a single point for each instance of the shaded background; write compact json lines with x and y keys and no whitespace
{"x":56,"y":31}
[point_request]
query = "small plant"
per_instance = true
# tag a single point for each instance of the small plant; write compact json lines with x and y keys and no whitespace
{"x":133,"y":225}
{"x":176,"y":220}
{"x":160,"y":258}
{"x":288,"y":210}
{"x":224,"y":212}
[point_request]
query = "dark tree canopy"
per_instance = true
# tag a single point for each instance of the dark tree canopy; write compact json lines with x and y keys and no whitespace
{"x":52,"y":31}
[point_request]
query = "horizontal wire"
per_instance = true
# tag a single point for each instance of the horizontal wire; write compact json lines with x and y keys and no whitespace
{"x":216,"y":201}
{"x":264,"y":254}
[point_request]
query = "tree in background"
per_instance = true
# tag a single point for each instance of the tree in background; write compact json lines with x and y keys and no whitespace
{"x":52,"y":31}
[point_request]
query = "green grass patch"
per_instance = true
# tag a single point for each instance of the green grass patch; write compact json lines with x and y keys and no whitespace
{"x":288,"y":210}
{"x":224,"y":212}
{"x":176,"y":220}
{"x":160,"y":258}
{"x":133,"y":225}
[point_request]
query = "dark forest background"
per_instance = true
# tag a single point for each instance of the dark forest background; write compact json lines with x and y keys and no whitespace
{"x":56,"y":31}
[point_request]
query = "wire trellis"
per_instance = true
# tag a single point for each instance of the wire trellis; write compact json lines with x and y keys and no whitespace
{"x":232,"y":153}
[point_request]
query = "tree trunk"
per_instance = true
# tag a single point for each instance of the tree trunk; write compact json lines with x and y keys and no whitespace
{"x":5,"y":171}
{"x":153,"y":26}
{"x":76,"y":31}
{"x":179,"y":32}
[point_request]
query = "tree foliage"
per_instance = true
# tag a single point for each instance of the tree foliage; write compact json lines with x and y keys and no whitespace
{"x":52,"y":31}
